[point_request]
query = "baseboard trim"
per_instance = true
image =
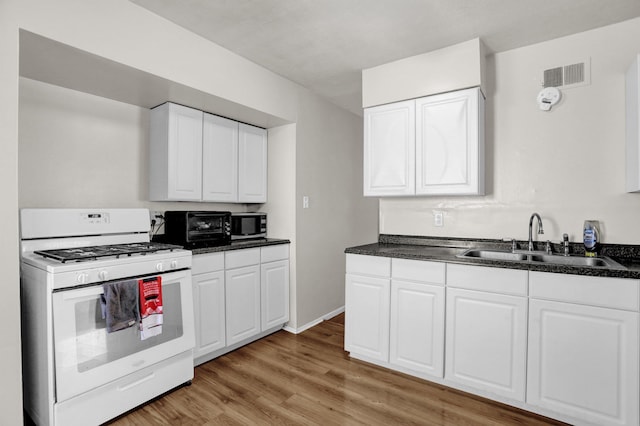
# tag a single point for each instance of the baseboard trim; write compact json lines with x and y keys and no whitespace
{"x":308,"y":325}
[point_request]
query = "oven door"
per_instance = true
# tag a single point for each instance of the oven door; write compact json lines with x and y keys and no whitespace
{"x":86,"y":356}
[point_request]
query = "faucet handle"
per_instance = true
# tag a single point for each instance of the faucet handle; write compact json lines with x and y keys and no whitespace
{"x":514,"y":245}
{"x":548,"y":247}
{"x":565,"y":244}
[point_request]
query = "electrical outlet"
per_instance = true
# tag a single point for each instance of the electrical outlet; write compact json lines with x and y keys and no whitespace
{"x":438,"y":218}
{"x":305,"y":202}
{"x":156,"y":215}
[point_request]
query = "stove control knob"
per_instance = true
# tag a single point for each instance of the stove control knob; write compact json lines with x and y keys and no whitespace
{"x":174,"y":264}
{"x":82,"y":278}
{"x":159,"y":267}
{"x":103,"y":275}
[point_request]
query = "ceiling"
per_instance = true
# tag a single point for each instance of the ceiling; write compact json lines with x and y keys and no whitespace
{"x":324,"y":44}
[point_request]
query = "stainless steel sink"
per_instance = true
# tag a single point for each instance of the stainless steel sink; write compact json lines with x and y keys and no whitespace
{"x":423,"y":250}
{"x":598,"y":262}
{"x":536,"y":257}
{"x":494,"y":255}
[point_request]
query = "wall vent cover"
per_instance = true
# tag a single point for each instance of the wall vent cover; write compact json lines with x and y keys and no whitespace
{"x":553,"y":77}
{"x":567,"y":76}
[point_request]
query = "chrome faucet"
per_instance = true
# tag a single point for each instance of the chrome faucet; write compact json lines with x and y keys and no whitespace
{"x":540,"y":229}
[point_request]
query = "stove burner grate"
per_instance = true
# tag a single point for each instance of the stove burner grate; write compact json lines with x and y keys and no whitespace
{"x":79,"y":254}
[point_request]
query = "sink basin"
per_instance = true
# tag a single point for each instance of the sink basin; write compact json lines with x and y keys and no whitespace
{"x":423,"y":250}
{"x":494,"y":255}
{"x":597,"y":262}
{"x":601,"y":262}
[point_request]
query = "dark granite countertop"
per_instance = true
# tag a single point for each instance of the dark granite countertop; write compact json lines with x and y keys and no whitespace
{"x":242,"y":244}
{"x":441,"y":249}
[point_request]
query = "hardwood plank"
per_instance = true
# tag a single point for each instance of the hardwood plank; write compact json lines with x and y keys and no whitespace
{"x":308,"y":379}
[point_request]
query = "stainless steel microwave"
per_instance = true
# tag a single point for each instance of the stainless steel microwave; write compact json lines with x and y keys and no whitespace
{"x":248,"y":225}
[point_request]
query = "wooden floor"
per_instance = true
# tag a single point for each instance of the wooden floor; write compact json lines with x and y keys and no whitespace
{"x":308,"y":379}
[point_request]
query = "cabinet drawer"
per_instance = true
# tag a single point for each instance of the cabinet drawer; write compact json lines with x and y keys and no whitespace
{"x":368,"y":265}
{"x":496,"y":280}
{"x":209,"y":262}
{"x":617,"y":293}
{"x":240,"y":258}
{"x":418,"y":270}
{"x":273,"y":253}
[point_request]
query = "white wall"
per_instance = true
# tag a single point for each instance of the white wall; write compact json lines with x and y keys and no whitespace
{"x":281,"y":191}
{"x":329,"y":172}
{"x":79,"y":150}
{"x":10,"y":367}
{"x":567,"y":164}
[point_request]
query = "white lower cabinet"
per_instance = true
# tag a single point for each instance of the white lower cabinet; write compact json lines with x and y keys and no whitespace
{"x":487,"y":341}
{"x":208,"y":297}
{"x":367,"y":297}
{"x":274,"y":285}
{"x":208,"y":303}
{"x":367,"y":320}
{"x":395,"y":312}
{"x":583,"y":360}
{"x":242,"y":303}
{"x":239,"y":296}
{"x":486,"y":330}
{"x":417,"y":316}
{"x":561,"y":345}
{"x":274,"y":290}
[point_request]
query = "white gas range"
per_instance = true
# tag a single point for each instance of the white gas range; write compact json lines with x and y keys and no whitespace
{"x":74,"y":370}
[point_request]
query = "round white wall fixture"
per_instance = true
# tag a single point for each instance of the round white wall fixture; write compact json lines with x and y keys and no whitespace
{"x":548,"y":97}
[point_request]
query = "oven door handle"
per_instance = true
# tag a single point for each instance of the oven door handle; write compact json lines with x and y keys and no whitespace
{"x":97,"y":289}
{"x":83,"y":293}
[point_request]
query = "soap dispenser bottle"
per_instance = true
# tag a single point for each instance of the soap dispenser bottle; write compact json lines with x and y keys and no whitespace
{"x":591,"y":238}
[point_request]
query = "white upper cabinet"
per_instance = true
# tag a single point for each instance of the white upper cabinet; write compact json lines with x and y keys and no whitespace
{"x":389,"y":134}
{"x":175,"y":166}
{"x":197,"y":156}
{"x":450,"y":143}
{"x":427,"y":146}
{"x":252,"y":164}
{"x":219,"y":159}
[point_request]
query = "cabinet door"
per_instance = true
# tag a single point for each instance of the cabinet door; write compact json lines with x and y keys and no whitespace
{"x":486,"y":341}
{"x":175,"y":153}
{"x":209,"y":312}
{"x":367,"y":316}
{"x":450,"y":143}
{"x":583,"y":362}
{"x":252,"y":165}
{"x":389,"y":149}
{"x":417,"y":327}
{"x":275,"y":293}
{"x":219,"y":159}
{"x":242,"y":293}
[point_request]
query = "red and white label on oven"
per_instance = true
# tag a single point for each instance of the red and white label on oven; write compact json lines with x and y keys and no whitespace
{"x":151,"y":315}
